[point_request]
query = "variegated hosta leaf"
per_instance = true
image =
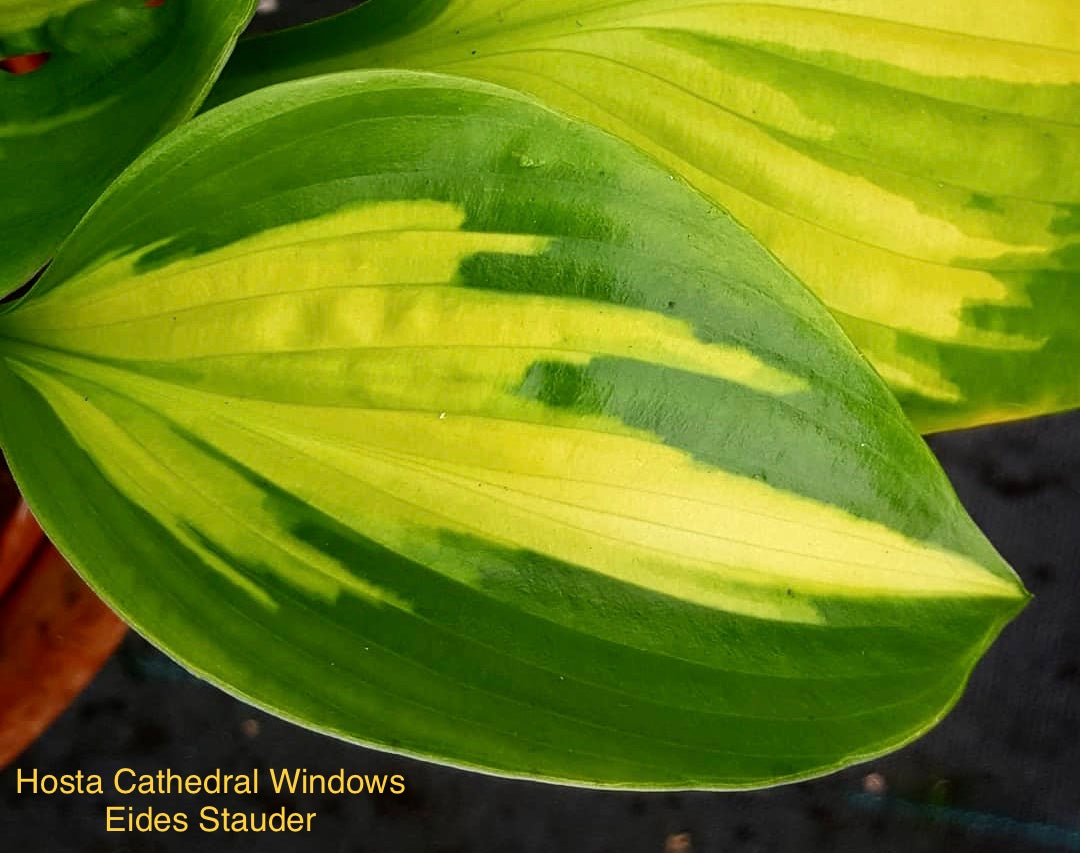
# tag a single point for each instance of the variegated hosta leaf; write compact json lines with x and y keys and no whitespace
{"x":420,"y":414}
{"x":85,"y":86}
{"x":916,"y":163}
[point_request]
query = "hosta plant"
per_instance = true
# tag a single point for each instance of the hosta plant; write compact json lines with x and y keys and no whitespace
{"x":419,"y":410}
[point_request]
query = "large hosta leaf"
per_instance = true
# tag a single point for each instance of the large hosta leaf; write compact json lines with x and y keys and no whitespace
{"x":116,"y":74}
{"x":916,"y":163}
{"x":416,"y":412}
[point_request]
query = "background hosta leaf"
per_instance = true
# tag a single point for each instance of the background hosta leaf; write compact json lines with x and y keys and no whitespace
{"x":19,"y":15}
{"x":116,"y":74}
{"x":916,"y":163}
{"x":426,"y":416}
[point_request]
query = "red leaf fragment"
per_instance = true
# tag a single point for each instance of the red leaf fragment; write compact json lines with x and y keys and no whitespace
{"x":24,"y":63}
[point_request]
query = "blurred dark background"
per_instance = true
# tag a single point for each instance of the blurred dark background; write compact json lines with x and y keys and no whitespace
{"x":997,"y":776}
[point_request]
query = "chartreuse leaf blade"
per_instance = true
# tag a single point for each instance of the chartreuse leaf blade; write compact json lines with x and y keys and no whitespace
{"x":118,"y":74}
{"x":915,"y":164}
{"x":420,"y":414}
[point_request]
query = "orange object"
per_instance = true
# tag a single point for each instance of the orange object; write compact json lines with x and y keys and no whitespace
{"x":24,"y":63}
{"x":55,"y":635}
{"x":18,"y":541}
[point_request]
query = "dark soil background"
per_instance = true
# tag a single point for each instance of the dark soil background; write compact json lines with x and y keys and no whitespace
{"x":999,"y":775}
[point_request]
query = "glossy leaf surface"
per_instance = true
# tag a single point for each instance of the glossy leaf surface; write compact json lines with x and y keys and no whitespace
{"x":106,"y":78}
{"x":915,"y":164}
{"x":423,"y":415}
